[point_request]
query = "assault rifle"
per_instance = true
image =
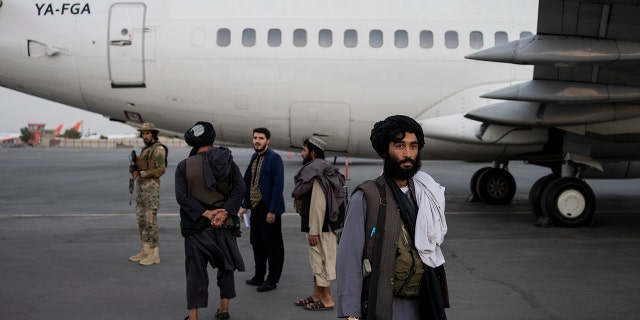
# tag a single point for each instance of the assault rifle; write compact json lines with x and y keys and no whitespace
{"x":132,"y":168}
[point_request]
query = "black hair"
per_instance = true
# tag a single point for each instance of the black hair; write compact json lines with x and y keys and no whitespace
{"x":312,"y":147}
{"x":264,"y":131}
{"x":154,"y":134}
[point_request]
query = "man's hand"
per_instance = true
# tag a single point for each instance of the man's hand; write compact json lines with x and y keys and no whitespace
{"x":313,"y":240}
{"x":271,"y":218}
{"x":216,"y":216}
{"x":241,"y":212}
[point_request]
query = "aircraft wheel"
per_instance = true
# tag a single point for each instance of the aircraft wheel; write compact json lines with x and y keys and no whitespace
{"x":473,"y":184}
{"x":569,"y":202}
{"x":535,"y":193}
{"x":496,"y":186}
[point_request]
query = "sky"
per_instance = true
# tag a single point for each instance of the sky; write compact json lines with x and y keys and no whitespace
{"x":19,"y":109}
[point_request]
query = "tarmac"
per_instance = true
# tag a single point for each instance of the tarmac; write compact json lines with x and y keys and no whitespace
{"x":67,"y":230}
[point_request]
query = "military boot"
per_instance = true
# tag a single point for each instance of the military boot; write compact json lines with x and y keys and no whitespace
{"x":152,"y":258}
{"x":145,"y":250}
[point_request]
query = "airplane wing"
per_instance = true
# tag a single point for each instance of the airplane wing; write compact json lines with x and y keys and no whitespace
{"x":586,"y":58}
{"x":585,"y":92}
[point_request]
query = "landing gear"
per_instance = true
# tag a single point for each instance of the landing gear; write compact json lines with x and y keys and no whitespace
{"x":493,"y":185}
{"x":569,"y":202}
{"x":535,"y":193}
{"x":563,"y":200}
{"x":473,"y":184}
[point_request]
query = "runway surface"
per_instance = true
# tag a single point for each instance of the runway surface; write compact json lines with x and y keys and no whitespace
{"x":67,"y":230}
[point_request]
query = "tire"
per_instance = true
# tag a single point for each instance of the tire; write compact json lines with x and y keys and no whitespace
{"x":535,"y":193}
{"x":496,"y":186}
{"x":569,"y":202}
{"x":473,"y":184}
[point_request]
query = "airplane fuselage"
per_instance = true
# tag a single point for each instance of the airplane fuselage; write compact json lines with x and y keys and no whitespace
{"x":333,"y":68}
{"x":300,"y":68}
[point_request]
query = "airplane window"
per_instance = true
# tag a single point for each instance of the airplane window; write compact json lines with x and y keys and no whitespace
{"x":401,"y":39}
{"x":224,"y":37}
{"x":426,"y":39}
{"x":525,"y":34}
{"x":501,"y":37}
{"x":325,"y":38}
{"x":350,"y":38}
{"x":475,"y":40}
{"x":249,"y":37}
{"x":299,"y":38}
{"x":375,"y":38}
{"x":451,"y":39}
{"x":274,"y":37}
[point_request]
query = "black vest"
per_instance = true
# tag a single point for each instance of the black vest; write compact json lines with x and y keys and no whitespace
{"x":305,"y":201}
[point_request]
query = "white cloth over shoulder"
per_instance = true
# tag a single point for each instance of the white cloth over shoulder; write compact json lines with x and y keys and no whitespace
{"x":431,"y":225}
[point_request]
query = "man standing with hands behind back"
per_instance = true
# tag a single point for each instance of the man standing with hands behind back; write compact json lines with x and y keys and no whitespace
{"x":264,"y":180}
{"x":209,"y":189}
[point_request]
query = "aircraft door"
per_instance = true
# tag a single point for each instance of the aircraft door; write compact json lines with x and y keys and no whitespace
{"x":126,"y":45}
{"x":328,"y":120}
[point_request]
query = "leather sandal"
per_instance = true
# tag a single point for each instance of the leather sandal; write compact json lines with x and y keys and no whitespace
{"x":304,"y":301}
{"x":317,"y":306}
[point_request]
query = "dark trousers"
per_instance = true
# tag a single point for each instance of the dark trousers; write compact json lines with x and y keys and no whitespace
{"x":267,"y":243}
{"x":200,"y":249}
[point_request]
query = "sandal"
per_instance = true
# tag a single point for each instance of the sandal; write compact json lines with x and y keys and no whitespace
{"x":317,"y":306}
{"x":222,"y":315}
{"x":304,"y":301}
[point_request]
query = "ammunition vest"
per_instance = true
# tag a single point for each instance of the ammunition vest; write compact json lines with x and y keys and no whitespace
{"x":146,"y":160}
{"x":409,"y":267}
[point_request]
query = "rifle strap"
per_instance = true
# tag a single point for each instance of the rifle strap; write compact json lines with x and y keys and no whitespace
{"x":377,"y":253}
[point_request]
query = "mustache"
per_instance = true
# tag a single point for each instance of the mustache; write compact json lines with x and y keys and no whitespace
{"x":413,"y":162}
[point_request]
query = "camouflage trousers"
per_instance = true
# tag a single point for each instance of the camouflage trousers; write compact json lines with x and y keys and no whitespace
{"x":147,"y":204}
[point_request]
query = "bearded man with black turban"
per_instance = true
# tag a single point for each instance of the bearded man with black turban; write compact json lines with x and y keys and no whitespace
{"x":389,"y":262}
{"x":209,"y":188}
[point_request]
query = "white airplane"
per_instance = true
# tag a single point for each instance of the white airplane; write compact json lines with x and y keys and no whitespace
{"x":333,"y":68}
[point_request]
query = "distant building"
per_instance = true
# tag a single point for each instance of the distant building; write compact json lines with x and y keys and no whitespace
{"x":41,"y":137}
{"x":10,"y":140}
{"x":37,"y":131}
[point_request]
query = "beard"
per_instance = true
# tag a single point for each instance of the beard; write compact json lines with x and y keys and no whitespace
{"x":150,"y":142}
{"x":306,"y":159}
{"x":260,"y":150}
{"x":392,"y":167}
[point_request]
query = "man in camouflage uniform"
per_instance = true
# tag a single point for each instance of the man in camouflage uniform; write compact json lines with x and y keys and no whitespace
{"x":150,"y":165}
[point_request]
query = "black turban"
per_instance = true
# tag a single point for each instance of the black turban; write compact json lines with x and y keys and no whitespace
{"x":385,"y":131}
{"x":200,"y":135}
